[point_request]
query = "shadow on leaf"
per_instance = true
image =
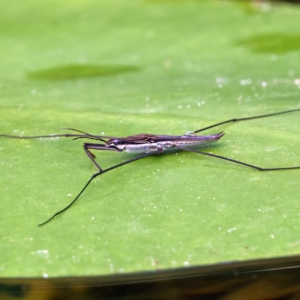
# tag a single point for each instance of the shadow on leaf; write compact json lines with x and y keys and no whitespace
{"x":277,"y":43}
{"x":75,"y":71}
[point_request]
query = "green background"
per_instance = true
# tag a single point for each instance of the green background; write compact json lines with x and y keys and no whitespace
{"x":163,"y":67}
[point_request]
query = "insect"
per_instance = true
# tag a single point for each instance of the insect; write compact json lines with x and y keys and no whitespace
{"x":149,"y":144}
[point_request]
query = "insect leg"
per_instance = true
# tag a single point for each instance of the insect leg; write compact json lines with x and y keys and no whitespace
{"x":237,"y":161}
{"x":75,"y":136}
{"x":246,"y":119}
{"x":45,"y":136}
{"x":91,"y":179}
{"x":87,"y":146}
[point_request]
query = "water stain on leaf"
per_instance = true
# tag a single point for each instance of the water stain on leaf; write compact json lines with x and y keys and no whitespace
{"x":277,"y":43}
{"x":75,"y":71}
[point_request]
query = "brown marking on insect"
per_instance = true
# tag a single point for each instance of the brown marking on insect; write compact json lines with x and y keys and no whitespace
{"x":141,"y":138}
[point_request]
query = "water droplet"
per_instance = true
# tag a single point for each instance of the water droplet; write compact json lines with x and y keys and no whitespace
{"x":264,"y":84}
{"x":245,"y":81}
{"x":297,"y":81}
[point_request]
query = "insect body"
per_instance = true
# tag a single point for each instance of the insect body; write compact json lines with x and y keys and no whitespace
{"x":150,"y":144}
{"x":157,"y":144}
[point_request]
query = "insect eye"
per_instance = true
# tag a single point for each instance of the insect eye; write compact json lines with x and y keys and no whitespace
{"x":115,"y":142}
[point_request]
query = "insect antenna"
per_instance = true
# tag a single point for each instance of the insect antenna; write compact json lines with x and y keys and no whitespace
{"x":90,"y":138}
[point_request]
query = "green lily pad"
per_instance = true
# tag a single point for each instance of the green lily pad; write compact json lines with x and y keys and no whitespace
{"x":160,"y":67}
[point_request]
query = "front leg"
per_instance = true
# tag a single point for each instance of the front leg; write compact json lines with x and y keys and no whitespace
{"x":87,"y":146}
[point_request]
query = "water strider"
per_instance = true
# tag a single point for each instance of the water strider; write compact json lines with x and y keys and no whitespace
{"x":151,"y":144}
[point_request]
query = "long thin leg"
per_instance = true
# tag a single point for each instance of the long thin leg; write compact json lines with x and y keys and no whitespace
{"x":246,"y":119}
{"x":76,"y":136}
{"x":90,"y":180}
{"x":43,"y":136}
{"x":237,"y":161}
